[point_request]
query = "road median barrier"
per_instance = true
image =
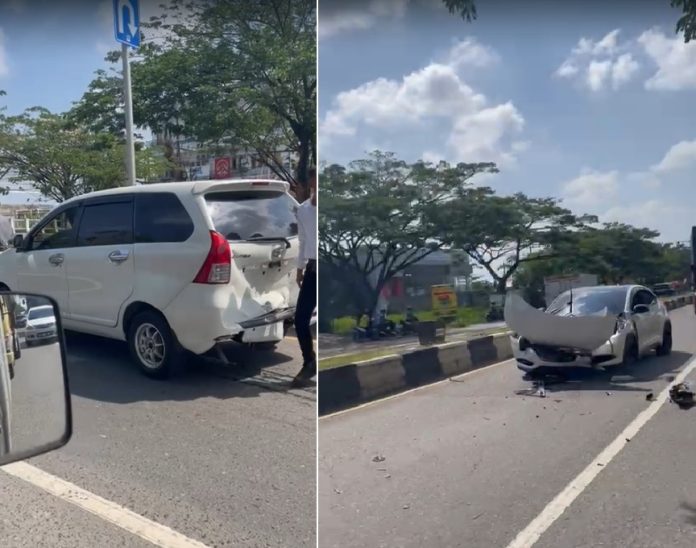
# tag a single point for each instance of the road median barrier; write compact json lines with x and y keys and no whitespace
{"x":349,"y":385}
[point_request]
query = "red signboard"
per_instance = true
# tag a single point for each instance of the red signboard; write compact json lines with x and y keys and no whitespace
{"x":222,"y":168}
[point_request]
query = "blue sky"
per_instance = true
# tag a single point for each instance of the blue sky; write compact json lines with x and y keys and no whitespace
{"x":592,"y":104}
{"x":49,"y":51}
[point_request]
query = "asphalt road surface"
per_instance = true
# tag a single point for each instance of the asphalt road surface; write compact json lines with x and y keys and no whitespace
{"x":223,"y":456}
{"x":479,"y":462}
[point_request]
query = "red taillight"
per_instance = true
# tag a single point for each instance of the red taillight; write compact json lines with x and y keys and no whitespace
{"x":218,"y":264}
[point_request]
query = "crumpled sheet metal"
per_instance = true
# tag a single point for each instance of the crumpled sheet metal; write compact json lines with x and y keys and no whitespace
{"x":585,"y":333}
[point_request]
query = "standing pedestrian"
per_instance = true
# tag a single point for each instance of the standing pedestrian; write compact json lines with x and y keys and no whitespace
{"x":307,"y":280}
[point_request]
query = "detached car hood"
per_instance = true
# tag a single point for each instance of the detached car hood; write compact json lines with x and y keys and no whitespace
{"x":580,"y":332}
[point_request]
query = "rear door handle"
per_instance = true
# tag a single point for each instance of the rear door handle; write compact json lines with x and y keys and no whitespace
{"x":119,"y":256}
{"x":57,"y":259}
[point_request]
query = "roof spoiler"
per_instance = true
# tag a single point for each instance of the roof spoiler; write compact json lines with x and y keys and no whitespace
{"x":239,"y":184}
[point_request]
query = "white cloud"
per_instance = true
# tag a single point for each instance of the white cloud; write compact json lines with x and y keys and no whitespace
{"x":591,"y":188}
{"x":479,"y":131}
{"x":675,"y":60}
{"x":647,"y":179}
{"x":600,"y":62}
{"x":335,"y":18}
{"x":658,"y":215}
{"x":623,"y":70}
{"x":597,"y":73}
{"x":678,"y":157}
{"x":471,"y":53}
{"x":4,"y":67}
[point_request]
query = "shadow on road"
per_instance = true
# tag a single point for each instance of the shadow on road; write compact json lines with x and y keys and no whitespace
{"x":102,"y":369}
{"x":646,"y":370}
{"x":690,"y":510}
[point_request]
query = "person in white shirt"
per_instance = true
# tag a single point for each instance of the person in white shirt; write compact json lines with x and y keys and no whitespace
{"x":307,"y":280}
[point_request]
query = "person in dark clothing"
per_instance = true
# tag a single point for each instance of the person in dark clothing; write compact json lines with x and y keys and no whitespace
{"x":307,"y":280}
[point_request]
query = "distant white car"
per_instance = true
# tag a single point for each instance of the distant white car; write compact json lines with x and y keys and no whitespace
{"x":642,"y":324}
{"x":41,"y":326}
{"x":171,"y":268}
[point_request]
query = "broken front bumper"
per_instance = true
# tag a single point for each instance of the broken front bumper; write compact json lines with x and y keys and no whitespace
{"x":530,"y":357}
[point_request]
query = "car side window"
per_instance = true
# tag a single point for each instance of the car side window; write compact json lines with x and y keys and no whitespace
{"x":651,"y":298}
{"x":161,"y":217}
{"x":57,"y":233}
{"x":643,"y":297}
{"x":109,"y":223}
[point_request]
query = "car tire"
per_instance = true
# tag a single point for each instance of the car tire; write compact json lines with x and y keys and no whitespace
{"x":665,"y":348}
{"x":154,"y":346}
{"x":631,"y":352}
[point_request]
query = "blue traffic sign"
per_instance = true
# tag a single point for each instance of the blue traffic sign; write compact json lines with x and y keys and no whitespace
{"x":127,"y":22}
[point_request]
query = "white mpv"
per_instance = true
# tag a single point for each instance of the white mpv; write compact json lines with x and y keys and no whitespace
{"x":171,"y":268}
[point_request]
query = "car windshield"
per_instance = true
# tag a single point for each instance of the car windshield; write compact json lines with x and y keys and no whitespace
{"x":39,"y":313}
{"x":252,"y":214}
{"x":588,"y":301}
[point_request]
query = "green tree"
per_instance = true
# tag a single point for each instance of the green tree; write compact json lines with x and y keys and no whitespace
{"x":615,"y":252}
{"x":226,"y":73}
{"x":500,"y":233}
{"x":687,"y":22}
{"x":374,"y":219}
{"x":60,"y":158}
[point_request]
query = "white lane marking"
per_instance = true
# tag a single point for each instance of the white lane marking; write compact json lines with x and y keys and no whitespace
{"x":531,"y":534}
{"x":416,"y":389}
{"x":157,"y":534}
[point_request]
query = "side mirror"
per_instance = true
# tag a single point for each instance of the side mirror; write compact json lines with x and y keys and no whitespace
{"x":18,"y":241}
{"x":35,"y":406}
{"x":641,"y":309}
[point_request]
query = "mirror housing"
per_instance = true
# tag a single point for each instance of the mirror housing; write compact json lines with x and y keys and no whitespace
{"x":18,"y":241}
{"x":35,"y":406}
{"x":641,"y":309}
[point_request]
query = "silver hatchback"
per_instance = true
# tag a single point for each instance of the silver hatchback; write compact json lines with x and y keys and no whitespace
{"x":640,"y":324}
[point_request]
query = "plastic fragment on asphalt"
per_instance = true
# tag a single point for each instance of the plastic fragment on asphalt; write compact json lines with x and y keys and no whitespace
{"x":379,"y":458}
{"x":650,"y":397}
{"x":682,"y":395}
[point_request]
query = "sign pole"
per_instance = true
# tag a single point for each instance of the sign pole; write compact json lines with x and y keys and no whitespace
{"x":130,"y":145}
{"x":127,"y":32}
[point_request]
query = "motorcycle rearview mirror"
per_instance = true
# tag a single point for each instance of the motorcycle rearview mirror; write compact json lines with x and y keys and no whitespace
{"x":35,"y":406}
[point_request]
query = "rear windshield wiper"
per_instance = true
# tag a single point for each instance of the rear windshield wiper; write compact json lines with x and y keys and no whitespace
{"x":271,"y":239}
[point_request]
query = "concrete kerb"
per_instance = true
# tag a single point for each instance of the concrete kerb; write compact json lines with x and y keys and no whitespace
{"x":346,"y":386}
{"x":380,"y":376}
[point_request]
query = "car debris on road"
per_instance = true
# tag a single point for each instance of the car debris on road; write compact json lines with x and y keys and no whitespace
{"x":682,"y":395}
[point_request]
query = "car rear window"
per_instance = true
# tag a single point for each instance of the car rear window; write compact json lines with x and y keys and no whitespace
{"x":160,"y":217}
{"x":250,"y":214}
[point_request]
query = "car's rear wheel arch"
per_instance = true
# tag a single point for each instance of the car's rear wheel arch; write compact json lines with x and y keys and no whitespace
{"x":135,"y":308}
